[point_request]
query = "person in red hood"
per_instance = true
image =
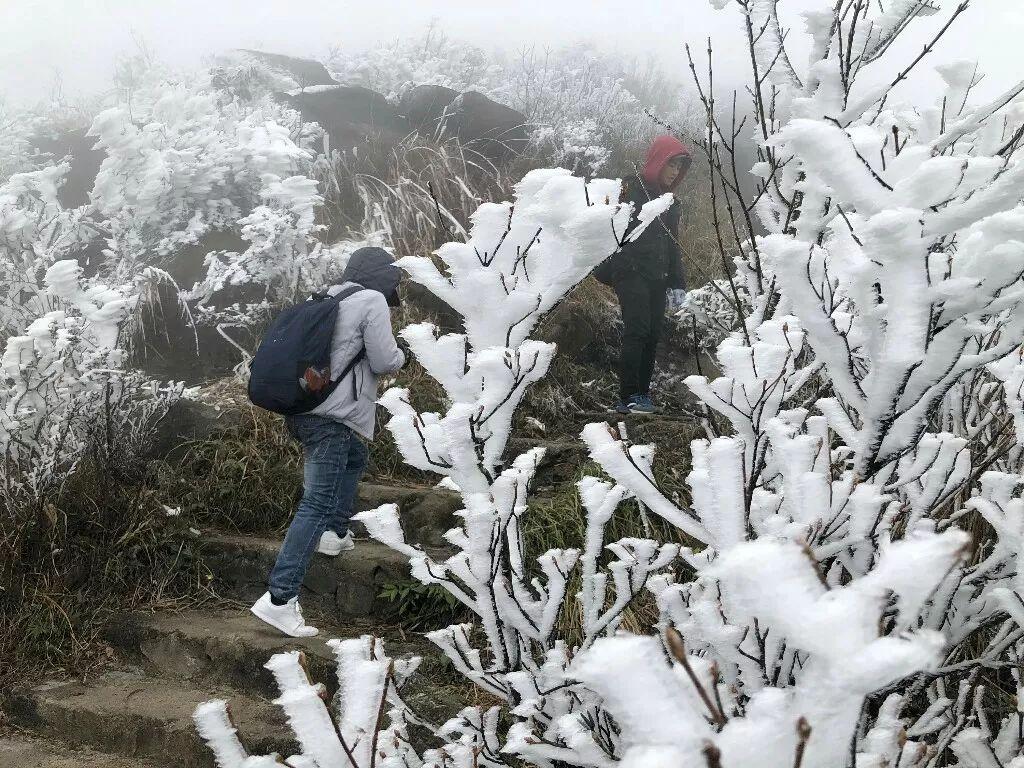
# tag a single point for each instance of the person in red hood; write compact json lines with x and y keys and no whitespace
{"x":644,"y":271}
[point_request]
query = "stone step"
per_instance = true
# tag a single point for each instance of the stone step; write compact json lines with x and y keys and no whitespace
{"x":228,"y":647}
{"x":129,"y":714}
{"x":346,"y":585}
{"x":426,"y":513}
{"x":19,"y":751}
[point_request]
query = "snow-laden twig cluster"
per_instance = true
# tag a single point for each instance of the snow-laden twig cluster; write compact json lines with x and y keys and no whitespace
{"x":371,"y":714}
{"x":849,"y":591}
{"x":519,"y":260}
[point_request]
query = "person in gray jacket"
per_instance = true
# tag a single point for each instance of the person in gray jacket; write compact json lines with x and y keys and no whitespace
{"x":334,"y":455}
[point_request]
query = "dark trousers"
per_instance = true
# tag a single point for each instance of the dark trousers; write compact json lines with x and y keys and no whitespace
{"x":642,"y":301}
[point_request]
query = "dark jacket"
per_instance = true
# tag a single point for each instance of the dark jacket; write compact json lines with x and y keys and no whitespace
{"x":655,"y":255}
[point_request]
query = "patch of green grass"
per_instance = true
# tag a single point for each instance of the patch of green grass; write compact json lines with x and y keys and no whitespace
{"x":423,"y":607}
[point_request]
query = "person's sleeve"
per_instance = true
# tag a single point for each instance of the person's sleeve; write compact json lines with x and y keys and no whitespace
{"x":382,"y":350}
{"x":628,"y":258}
{"x":677,"y":267}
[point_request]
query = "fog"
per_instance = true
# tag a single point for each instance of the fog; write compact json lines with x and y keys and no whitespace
{"x":73,"y":44}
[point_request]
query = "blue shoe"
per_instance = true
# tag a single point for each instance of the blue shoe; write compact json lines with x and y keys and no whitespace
{"x":649,"y":401}
{"x":641,"y":404}
{"x":622,"y":408}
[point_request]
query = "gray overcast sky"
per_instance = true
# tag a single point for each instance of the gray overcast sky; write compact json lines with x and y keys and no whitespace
{"x":80,"y":39}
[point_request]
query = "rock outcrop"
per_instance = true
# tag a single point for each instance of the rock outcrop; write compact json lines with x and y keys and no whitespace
{"x":350,"y":114}
{"x":305,"y":72}
{"x":478,"y":122}
{"x":85,"y":161}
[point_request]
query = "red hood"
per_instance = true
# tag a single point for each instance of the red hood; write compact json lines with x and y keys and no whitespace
{"x":663,"y":149}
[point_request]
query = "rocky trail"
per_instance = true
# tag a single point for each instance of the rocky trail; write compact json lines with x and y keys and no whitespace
{"x":137,"y":713}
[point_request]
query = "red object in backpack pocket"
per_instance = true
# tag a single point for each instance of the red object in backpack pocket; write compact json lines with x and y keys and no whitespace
{"x":316,"y":378}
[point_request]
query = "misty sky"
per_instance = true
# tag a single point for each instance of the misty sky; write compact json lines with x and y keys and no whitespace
{"x":78,"y":41}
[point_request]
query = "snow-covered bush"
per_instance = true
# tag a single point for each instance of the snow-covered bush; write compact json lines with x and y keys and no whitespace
{"x":849,"y":594}
{"x":708,"y":315}
{"x":65,"y":386}
{"x":840,"y":612}
{"x":396,"y":66}
{"x":576,"y":145}
{"x":183,"y":160}
{"x":16,"y":129}
{"x":35,"y":232}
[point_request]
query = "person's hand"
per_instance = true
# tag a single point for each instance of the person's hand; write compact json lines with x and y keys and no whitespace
{"x":404,"y":346}
{"x":675,"y":299}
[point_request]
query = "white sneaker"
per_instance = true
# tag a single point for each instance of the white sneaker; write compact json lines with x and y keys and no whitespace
{"x":332,"y":544}
{"x":287,"y":618}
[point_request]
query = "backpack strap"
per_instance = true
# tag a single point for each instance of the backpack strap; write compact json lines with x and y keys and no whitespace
{"x":359,"y":356}
{"x":340,"y":296}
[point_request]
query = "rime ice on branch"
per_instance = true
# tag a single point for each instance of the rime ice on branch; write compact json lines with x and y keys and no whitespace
{"x":865,"y":414}
{"x":519,"y":261}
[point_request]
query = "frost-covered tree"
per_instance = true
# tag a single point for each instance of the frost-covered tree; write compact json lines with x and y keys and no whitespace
{"x":848,"y":594}
{"x":519,"y":260}
{"x":183,"y":159}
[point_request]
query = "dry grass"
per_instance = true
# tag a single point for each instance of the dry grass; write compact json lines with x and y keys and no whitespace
{"x":101,"y":547}
{"x":419,"y":192}
{"x":246,"y":477}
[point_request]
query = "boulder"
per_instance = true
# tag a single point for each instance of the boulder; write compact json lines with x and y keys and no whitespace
{"x":426,"y":106}
{"x":351,"y":115}
{"x":305,"y":72}
{"x":170,"y":348}
{"x":494,"y":130}
{"x":187,"y":264}
{"x":478,"y":122}
{"x":85,"y":163}
{"x":186,"y":421}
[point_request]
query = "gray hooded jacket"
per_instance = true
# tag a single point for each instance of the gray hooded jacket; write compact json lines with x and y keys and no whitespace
{"x":364,"y":321}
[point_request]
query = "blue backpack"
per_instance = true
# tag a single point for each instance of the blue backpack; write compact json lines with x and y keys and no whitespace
{"x":291,"y":371}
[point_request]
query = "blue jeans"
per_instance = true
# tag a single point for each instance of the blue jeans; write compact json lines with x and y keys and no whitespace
{"x":334,"y":458}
